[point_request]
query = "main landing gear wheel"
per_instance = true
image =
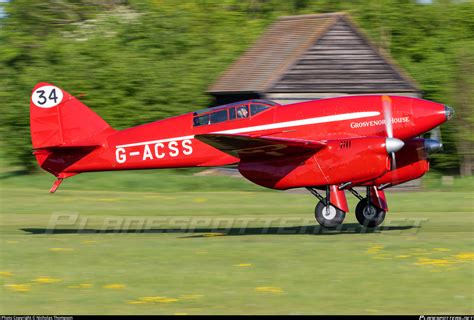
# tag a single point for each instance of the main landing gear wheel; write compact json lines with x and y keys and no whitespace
{"x":328,"y":218}
{"x":369,"y":215}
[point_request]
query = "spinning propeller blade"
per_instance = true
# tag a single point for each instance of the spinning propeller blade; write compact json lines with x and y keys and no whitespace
{"x":392,"y":144}
{"x":387,"y":113}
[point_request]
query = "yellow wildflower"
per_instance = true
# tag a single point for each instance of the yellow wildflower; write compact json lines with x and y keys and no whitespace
{"x":19,"y":287}
{"x":434,"y":262}
{"x":45,"y":279}
{"x":114,"y":286}
{"x":269,"y":289}
{"x":60,"y":249}
{"x":465,"y":256}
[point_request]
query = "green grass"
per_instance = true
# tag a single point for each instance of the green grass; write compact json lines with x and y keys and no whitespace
{"x":247,"y":251}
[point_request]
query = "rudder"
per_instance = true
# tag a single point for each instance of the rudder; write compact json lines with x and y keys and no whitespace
{"x":63,"y":130}
{"x":58,"y":119}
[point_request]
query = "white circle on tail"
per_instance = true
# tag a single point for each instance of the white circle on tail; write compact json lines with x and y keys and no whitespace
{"x":47,"y":96}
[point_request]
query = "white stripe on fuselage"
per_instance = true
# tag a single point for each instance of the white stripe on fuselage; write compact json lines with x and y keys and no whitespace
{"x":303,"y":122}
{"x":278,"y":125}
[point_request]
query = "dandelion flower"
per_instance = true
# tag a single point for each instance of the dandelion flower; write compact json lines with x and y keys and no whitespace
{"x":151,"y":299}
{"x":465,"y":256}
{"x":269,"y":289}
{"x":375,"y":249}
{"x":168,"y":300}
{"x":157,"y":299}
{"x":19,"y":287}
{"x":114,"y":286}
{"x":88,"y":241}
{"x":60,"y":249}
{"x":45,"y":279}
{"x":434,"y":262}
{"x":214,"y":234}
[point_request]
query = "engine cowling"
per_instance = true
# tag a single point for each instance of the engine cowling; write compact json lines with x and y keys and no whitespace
{"x":412,"y":163}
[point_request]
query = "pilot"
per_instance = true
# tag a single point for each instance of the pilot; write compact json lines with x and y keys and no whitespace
{"x":242,"y":112}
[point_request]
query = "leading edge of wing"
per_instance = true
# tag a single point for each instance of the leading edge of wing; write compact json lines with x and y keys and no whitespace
{"x":259,"y":148}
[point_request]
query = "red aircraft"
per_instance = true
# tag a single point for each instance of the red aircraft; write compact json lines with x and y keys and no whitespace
{"x":330,"y":145}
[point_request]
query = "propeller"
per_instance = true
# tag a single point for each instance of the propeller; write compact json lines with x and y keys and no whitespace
{"x":434,"y":143}
{"x":391,"y":144}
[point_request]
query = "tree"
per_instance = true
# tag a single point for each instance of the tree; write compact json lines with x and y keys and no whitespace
{"x":137,"y":61}
{"x":463,"y":99}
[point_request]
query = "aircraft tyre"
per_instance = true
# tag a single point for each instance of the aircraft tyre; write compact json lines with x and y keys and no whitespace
{"x":369,"y":216}
{"x":328,"y":218}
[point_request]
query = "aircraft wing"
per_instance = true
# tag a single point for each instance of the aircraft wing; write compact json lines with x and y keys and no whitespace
{"x":260,"y":148}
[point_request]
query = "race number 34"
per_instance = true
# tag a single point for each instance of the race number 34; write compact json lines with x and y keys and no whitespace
{"x":47,"y":96}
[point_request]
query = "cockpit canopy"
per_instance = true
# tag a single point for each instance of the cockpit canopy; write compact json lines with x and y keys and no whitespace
{"x":232,"y":111}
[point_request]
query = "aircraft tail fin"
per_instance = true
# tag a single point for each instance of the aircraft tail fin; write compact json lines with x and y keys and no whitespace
{"x":60,"y":119}
{"x":63,"y":128}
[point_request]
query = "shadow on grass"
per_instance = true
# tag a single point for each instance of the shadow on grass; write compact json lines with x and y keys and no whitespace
{"x":350,"y":228}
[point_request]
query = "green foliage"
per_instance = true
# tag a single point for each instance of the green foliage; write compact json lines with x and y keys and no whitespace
{"x":463,"y":97}
{"x":139,"y":61}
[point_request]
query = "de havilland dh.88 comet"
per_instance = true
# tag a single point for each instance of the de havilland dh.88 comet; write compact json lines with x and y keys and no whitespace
{"x":326,"y":146}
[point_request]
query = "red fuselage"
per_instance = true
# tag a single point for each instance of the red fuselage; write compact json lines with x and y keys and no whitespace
{"x":331,"y":144}
{"x":358,"y":120}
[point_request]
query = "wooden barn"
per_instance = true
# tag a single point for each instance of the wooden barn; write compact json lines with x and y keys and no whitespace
{"x":312,"y":57}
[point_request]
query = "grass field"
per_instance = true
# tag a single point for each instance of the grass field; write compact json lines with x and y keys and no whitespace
{"x":176,"y":245}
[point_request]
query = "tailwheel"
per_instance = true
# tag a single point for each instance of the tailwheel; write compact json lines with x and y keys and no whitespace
{"x":328,"y":216}
{"x":369,"y":215}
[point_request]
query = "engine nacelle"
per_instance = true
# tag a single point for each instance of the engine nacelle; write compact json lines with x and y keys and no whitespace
{"x":356,"y":160}
{"x":411,"y":161}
